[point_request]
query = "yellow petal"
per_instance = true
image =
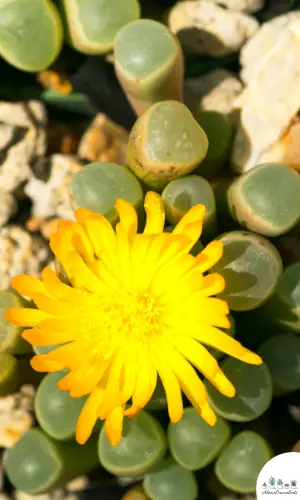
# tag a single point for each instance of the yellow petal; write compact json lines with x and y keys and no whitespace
{"x":224,"y":343}
{"x":212,"y":284}
{"x":172,"y":389}
{"x":155,"y":212}
{"x":102,"y":237}
{"x":211,"y":254}
{"x":40,"y":337}
{"x":207,"y":414}
{"x":191,"y":223}
{"x":88,"y":416}
{"x":27,"y":285}
{"x":20,"y":316}
{"x":113,"y":425}
{"x":145,"y":385}
{"x":128,"y":216}
{"x":65,"y":292}
{"x":206,"y":364}
{"x":42,"y":363}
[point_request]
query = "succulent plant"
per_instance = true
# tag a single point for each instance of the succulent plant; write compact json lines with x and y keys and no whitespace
{"x":183,"y":193}
{"x":38,"y":464}
{"x":282,"y":310}
{"x":241,"y":461}
{"x":193,"y":443}
{"x":55,"y":410}
{"x":266,"y":199}
{"x":169,"y":481}
{"x":219,"y":130}
{"x":93,"y":24}
{"x":281,"y":354}
{"x":253,"y":391}
{"x":10,"y":335}
{"x":31,"y":33}
{"x":165,"y":143}
{"x":251,"y":267}
{"x":9,"y":375}
{"x":148,"y":63}
{"x":143,"y":445}
{"x":97,"y":185}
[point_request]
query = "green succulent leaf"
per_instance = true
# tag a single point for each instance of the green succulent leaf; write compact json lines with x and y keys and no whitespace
{"x":182,"y":194}
{"x":31,"y":33}
{"x":282,"y":356}
{"x":148,"y":63}
{"x":9,"y":374}
{"x":266,"y":199}
{"x":56,"y":411}
{"x":241,"y":461}
{"x":38,"y":464}
{"x":10,"y":335}
{"x":143,"y":444}
{"x":170,"y":481}
{"x":93,"y":24}
{"x":251,"y":267}
{"x":253,"y":386}
{"x":165,"y":143}
{"x":193,"y":443}
{"x":98,"y":185}
{"x":283,"y":308}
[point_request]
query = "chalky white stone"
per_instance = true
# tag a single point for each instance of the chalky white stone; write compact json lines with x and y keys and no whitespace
{"x":262,"y":42}
{"x":204,"y":27}
{"x":270,"y":101}
{"x":22,"y":140}
{"x":250,"y":6}
{"x":20,"y":252}
{"x":51,"y":198}
{"x":215,"y":91}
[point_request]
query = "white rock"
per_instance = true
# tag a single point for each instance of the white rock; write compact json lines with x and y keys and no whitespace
{"x":22,"y":140}
{"x":215,"y":91}
{"x":8,"y":205}
{"x":20,"y":252}
{"x":14,"y":418}
{"x":270,"y":101}
{"x":206,"y":28}
{"x":241,"y":5}
{"x":51,"y":198}
{"x":262,"y":42}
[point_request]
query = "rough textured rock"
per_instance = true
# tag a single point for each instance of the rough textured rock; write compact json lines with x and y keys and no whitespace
{"x":20,"y":252}
{"x":8,"y":206}
{"x":215,"y":91}
{"x":270,"y":101}
{"x":262,"y":42}
{"x":103,"y":141}
{"x":22,"y":141}
{"x":287,"y":148}
{"x":206,"y":28}
{"x":241,"y":5}
{"x":50,"y":197}
{"x":16,"y":415}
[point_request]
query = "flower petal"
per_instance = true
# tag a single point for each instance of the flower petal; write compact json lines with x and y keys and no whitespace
{"x":154,"y":208}
{"x":88,"y":416}
{"x":211,"y":254}
{"x":21,"y":316}
{"x":114,"y":424}
{"x":27,"y":285}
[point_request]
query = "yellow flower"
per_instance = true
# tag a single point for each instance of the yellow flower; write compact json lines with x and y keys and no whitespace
{"x":139,"y":306}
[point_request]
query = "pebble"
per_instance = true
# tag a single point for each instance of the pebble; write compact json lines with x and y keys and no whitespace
{"x":215,"y":91}
{"x":269,"y":102}
{"x":262,"y":42}
{"x":287,"y":148}
{"x":16,"y":416}
{"x":58,"y":494}
{"x":249,"y":6}
{"x":20,"y":252}
{"x":206,"y":28}
{"x":8,"y":206}
{"x":22,"y":141}
{"x":136,"y":493}
{"x":51,"y":197}
{"x":103,"y":141}
{"x":78,"y":484}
